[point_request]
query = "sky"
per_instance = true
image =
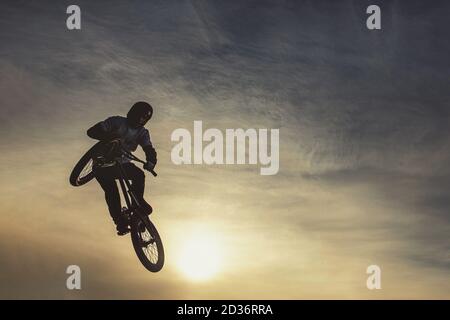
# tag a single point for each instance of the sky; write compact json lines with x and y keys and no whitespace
{"x":364,"y":147}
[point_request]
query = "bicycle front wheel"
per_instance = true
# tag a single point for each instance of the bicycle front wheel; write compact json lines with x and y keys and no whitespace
{"x":147,"y":243}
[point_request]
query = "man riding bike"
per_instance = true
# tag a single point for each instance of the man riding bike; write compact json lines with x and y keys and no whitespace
{"x":131,"y":133}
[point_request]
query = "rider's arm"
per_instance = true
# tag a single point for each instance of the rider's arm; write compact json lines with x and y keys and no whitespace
{"x":97,"y":132}
{"x":147,"y":146}
{"x":150,"y":153}
{"x":102,"y":130}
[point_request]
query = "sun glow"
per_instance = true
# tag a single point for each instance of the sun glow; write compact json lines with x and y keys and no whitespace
{"x":200,"y":257}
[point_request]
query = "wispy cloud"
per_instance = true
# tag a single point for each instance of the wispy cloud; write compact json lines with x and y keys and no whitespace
{"x":364,"y":127}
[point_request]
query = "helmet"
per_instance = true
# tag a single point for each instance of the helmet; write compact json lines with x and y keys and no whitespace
{"x":139,"y":114}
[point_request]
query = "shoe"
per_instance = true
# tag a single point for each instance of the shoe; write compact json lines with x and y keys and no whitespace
{"x":122,"y":225}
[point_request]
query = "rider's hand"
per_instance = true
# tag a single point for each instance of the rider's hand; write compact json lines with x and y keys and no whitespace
{"x":149,"y":166}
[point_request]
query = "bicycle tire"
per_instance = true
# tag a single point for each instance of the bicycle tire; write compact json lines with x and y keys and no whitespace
{"x":136,"y":239}
{"x":75,"y":179}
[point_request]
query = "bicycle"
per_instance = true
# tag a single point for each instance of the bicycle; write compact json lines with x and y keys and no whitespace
{"x":144,"y":235}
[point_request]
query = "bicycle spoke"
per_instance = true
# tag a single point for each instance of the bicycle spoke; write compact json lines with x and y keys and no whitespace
{"x":149,"y":246}
{"x":86,"y":170}
{"x":151,"y":253}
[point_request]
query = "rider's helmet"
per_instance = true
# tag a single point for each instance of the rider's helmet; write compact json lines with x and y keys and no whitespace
{"x":139,"y":114}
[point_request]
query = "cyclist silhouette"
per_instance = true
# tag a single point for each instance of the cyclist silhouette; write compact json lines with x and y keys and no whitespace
{"x":131,"y":132}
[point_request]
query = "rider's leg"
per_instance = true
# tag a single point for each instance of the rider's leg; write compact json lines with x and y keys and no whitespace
{"x":137,"y":177}
{"x":106,"y":178}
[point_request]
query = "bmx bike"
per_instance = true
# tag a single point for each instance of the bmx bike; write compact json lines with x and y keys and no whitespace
{"x":144,"y":235}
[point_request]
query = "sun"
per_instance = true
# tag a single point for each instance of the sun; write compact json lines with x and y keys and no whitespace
{"x":200,"y":257}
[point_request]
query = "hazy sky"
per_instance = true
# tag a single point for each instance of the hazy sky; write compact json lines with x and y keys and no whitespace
{"x":364,"y":146}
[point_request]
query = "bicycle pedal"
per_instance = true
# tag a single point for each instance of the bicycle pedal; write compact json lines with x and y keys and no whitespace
{"x":123,"y":232}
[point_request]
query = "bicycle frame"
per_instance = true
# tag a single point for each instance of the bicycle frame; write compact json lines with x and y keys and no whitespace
{"x":127,"y":191}
{"x":125,"y":186}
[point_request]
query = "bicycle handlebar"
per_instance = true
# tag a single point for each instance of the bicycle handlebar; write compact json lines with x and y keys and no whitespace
{"x":131,"y":156}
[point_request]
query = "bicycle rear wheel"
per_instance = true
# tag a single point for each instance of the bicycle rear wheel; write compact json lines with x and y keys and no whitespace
{"x":147,"y":243}
{"x":82,"y":172}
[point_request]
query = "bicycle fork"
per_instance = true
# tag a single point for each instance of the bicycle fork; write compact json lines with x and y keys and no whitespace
{"x":128,"y":194}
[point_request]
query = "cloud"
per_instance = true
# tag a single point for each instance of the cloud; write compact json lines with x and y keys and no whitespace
{"x":363,"y":122}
